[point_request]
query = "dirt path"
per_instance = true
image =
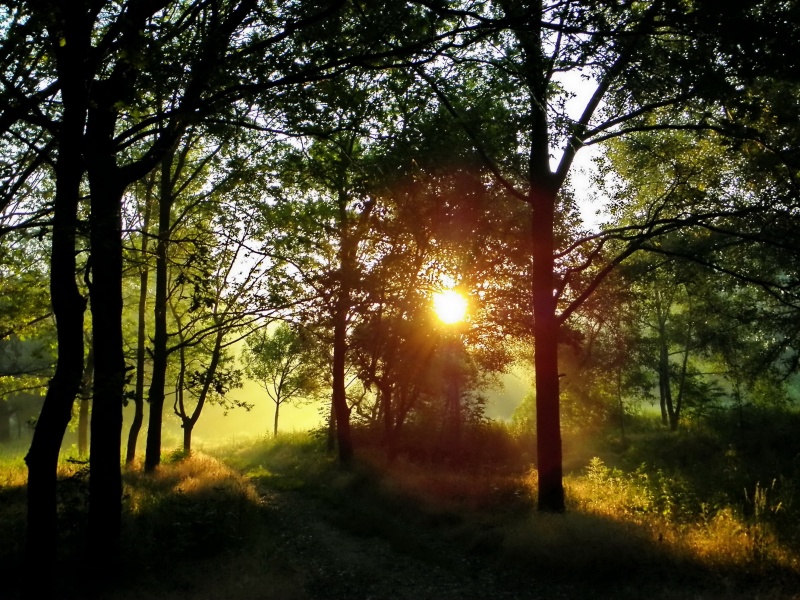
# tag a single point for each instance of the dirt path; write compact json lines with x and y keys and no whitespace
{"x":333,"y":563}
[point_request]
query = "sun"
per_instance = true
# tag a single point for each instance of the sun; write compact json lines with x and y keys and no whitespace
{"x":450,"y":306}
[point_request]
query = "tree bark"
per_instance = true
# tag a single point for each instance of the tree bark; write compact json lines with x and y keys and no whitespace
{"x":339,"y":399}
{"x":545,"y":331}
{"x":158,"y":382}
{"x":5,"y":423}
{"x":105,"y":292}
{"x":340,"y":315}
{"x":188,"y":427}
{"x":83,"y":411}
{"x":68,"y":307}
{"x":144,"y":275}
{"x":664,"y":383}
{"x":190,"y":421}
{"x":684,"y":367}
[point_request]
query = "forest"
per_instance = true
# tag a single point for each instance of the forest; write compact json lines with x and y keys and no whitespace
{"x":380,"y":212}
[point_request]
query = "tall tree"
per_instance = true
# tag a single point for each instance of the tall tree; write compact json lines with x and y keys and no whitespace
{"x":651,"y":67}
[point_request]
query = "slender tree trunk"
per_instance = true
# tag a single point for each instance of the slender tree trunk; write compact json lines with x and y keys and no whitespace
{"x":68,"y":307}
{"x":83,"y":411}
{"x":341,"y":311}
{"x":330,"y":444}
{"x":664,"y":383}
{"x":179,"y":406}
{"x":216,"y":355}
{"x":141,"y":341}
{"x":275,"y":424}
{"x":542,"y":196}
{"x":388,"y":416}
{"x":621,"y":405}
{"x":5,"y":424}
{"x":158,"y":382}
{"x":340,"y":408}
{"x":684,"y":367}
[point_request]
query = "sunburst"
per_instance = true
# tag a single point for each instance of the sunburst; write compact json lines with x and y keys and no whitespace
{"x":450,"y":306}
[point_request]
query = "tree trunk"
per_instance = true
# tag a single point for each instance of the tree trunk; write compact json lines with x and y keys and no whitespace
{"x":340,"y":408}
{"x":330,"y":443}
{"x":664,"y":384}
{"x":68,"y":307}
{"x":83,"y":411}
{"x":545,"y":331}
{"x":341,"y":312}
{"x":141,"y":341}
{"x":621,"y":405}
{"x":158,"y":382}
{"x":388,"y":418}
{"x":5,"y":424}
{"x":188,"y":427}
{"x":216,"y":355}
{"x":105,"y":476}
{"x":684,"y":367}
{"x":275,"y":425}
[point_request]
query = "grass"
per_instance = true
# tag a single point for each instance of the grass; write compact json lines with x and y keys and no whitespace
{"x":624,"y":530}
{"x":200,"y":528}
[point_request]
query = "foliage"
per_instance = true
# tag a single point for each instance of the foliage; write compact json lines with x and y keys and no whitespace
{"x":286,"y":362}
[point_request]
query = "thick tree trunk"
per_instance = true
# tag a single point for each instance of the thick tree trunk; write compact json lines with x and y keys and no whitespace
{"x":68,"y":307}
{"x":105,"y":476}
{"x":144,"y":273}
{"x":158,"y":382}
{"x":545,"y":329}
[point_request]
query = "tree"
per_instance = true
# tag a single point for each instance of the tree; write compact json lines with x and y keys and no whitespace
{"x":286,"y":363}
{"x":644,"y":78}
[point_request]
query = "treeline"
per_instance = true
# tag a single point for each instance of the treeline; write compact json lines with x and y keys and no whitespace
{"x":180,"y":175}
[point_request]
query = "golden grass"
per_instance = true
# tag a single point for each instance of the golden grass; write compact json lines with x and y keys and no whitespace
{"x":617,"y":525}
{"x":713,"y":537}
{"x":197,"y":475}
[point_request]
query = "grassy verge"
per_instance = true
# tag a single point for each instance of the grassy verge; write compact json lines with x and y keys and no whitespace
{"x":194,"y":529}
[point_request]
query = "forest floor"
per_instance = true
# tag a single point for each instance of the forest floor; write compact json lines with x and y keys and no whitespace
{"x":365,"y":533}
{"x":283,"y":521}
